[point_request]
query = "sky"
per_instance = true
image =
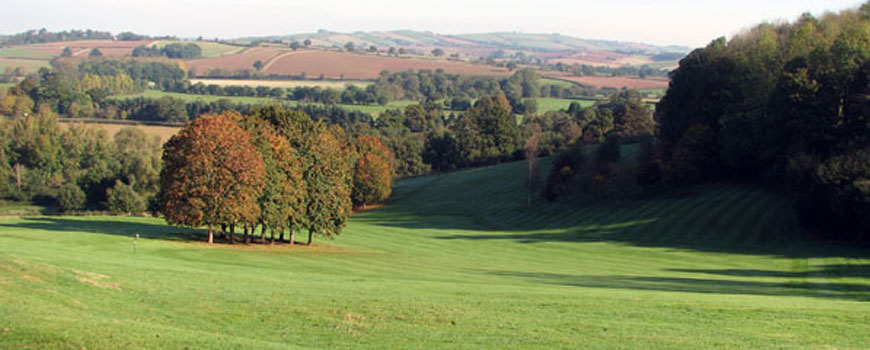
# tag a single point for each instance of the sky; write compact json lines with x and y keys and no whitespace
{"x":663,"y":22}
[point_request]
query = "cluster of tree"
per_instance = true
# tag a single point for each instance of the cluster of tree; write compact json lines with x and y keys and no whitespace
{"x":77,"y":167}
{"x":159,"y":73}
{"x":785,"y":103}
{"x":425,"y":136}
{"x":185,"y":87}
{"x":623,"y":114}
{"x":165,"y":109}
{"x":642,"y":71}
{"x":34,"y":36}
{"x":275,"y":169}
{"x":444,"y":135}
{"x":409,"y":85}
{"x":351,"y":94}
{"x":603,"y":175}
{"x":487,"y":134}
{"x":130,"y":36}
{"x":419,"y":85}
{"x":438,"y":85}
{"x":174,"y":50}
{"x":79,"y":89}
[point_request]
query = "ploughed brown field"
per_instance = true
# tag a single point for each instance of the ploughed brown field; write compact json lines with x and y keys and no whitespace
{"x":333,"y":64}
{"x":619,"y":82}
{"x":107,"y":47}
{"x":601,"y":58}
{"x":238,"y":62}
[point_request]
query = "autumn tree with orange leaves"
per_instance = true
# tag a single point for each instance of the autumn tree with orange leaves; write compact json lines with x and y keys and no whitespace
{"x":373,"y":171}
{"x":212,"y":175}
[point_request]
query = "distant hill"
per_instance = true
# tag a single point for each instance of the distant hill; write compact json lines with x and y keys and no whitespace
{"x":495,"y":41}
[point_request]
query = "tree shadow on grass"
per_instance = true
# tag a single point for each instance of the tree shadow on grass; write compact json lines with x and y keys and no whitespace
{"x":109,"y":227}
{"x":797,"y":288}
{"x":707,"y":225}
{"x":827,"y":271}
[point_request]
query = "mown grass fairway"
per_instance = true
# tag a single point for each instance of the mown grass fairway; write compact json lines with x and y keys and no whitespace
{"x":457,"y":261}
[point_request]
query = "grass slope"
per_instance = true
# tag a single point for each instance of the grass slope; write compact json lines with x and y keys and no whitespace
{"x":457,"y":261}
{"x":209,"y":48}
{"x":28,"y":65}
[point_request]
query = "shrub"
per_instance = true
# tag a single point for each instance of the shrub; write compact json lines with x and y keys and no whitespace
{"x":71,"y":197}
{"x":123,"y":199}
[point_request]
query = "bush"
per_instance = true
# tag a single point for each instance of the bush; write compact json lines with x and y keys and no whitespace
{"x":123,"y":199}
{"x":649,"y":167}
{"x":696,"y":156}
{"x":566,"y":165}
{"x":71,"y":197}
{"x":609,"y":151}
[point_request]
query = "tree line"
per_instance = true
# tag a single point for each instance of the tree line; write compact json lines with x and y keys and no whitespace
{"x":410,"y":85}
{"x":77,"y":167}
{"x":174,"y":51}
{"x":274,"y":168}
{"x":34,"y":36}
{"x":781,"y":104}
{"x":439,"y":136}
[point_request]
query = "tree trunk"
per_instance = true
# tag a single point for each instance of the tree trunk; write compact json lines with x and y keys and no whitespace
{"x":292,"y":237}
{"x":210,"y":235}
{"x":18,"y":177}
{"x":272,"y":236}
{"x":246,"y":234}
{"x":310,"y":236}
{"x":263,"y":234}
{"x":281,"y":238}
{"x":232,"y":233}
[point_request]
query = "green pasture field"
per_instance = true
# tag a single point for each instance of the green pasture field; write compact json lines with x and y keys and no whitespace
{"x":456,"y":261}
{"x":29,"y":65}
{"x":24,"y":52}
{"x":209,"y":48}
{"x":547,"y":104}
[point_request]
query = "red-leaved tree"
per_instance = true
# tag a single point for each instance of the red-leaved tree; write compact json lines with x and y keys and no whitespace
{"x":212,"y":175}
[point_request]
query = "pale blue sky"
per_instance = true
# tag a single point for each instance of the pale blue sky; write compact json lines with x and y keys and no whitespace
{"x":684,"y":22}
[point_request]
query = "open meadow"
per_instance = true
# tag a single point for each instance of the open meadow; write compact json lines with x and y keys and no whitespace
{"x":547,"y":104}
{"x":455,"y":261}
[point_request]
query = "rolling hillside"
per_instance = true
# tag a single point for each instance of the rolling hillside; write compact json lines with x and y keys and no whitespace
{"x":455,"y":261}
{"x":500,"y":40}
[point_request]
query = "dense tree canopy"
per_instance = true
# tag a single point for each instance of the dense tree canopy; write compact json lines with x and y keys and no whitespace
{"x":212,"y":175}
{"x":779,"y":102}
